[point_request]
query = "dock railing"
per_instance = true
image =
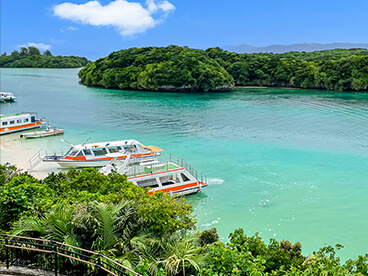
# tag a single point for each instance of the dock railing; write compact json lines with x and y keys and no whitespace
{"x":34,"y":160}
{"x":183,"y":163}
{"x":37,"y":158}
{"x":56,"y":256}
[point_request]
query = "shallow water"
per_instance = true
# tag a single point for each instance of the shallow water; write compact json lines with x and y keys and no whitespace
{"x":289,"y":164}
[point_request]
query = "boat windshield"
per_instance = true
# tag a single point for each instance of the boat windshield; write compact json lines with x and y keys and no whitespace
{"x":71,"y":152}
{"x":74,"y":152}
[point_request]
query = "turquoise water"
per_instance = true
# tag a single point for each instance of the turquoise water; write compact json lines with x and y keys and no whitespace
{"x":289,"y":164}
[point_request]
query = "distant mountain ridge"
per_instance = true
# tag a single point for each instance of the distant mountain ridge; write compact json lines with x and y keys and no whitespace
{"x":299,"y":47}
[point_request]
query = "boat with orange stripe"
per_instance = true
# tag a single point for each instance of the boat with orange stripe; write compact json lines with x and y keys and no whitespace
{"x":168,"y":174}
{"x":19,"y":121}
{"x":101,"y":153}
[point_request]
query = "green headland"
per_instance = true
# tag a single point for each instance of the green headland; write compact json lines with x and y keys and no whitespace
{"x":176,"y":68}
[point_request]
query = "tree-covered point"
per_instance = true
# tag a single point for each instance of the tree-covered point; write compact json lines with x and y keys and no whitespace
{"x":169,"y":68}
{"x":31,"y":57}
{"x":152,"y":234}
{"x":176,"y":68}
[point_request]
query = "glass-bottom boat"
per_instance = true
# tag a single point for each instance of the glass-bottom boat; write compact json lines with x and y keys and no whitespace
{"x":170,"y":174}
{"x":99,"y":154}
{"x":20,"y":121}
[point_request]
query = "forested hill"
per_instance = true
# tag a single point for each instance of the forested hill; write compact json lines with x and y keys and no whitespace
{"x":339,"y":69}
{"x":176,"y":68}
{"x":31,"y":57}
{"x":169,"y":68}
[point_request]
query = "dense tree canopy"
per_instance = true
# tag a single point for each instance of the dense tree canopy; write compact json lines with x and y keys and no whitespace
{"x":176,"y":68}
{"x":31,"y":58}
{"x":170,"y":68}
{"x":340,"y":69}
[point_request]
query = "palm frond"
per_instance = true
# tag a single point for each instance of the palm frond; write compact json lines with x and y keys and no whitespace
{"x":25,"y":225}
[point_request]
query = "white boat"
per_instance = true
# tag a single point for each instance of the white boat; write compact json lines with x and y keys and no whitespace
{"x":173,"y":175}
{"x":7,"y":97}
{"x":98,"y":154}
{"x":19,"y":121}
{"x":49,"y":131}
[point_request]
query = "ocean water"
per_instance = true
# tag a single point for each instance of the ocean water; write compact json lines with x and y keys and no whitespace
{"x":288,"y":164}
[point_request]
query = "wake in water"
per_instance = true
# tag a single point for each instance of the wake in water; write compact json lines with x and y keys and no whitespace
{"x":214,"y":181}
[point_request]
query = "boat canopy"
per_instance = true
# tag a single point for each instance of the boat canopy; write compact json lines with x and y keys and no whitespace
{"x":153,"y":148}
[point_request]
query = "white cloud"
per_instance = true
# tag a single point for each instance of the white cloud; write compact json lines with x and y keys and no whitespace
{"x":166,"y":6}
{"x":127,"y":17}
{"x":39,"y":46}
{"x":72,"y":28}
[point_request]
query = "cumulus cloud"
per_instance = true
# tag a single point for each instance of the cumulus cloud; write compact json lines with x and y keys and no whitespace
{"x":127,"y":17}
{"x":39,"y":46}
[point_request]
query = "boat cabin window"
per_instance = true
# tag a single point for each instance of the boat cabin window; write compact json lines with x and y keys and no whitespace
{"x":87,"y":152}
{"x":169,"y":180}
{"x":114,"y":149}
{"x":73,"y":153}
{"x":184,"y":177}
{"x":19,"y":121}
{"x":12,"y":122}
{"x":152,"y":183}
{"x":33,"y":119}
{"x":99,"y":151}
{"x":4,"y":123}
{"x":25,"y":120}
{"x":80,"y":153}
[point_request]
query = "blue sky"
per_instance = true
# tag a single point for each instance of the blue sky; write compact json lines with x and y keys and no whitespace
{"x":96,"y":28}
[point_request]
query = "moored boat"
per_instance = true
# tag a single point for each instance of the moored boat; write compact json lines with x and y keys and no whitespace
{"x":99,"y":154}
{"x":7,"y":97}
{"x":49,"y":131}
{"x":172,"y":175}
{"x":19,"y":121}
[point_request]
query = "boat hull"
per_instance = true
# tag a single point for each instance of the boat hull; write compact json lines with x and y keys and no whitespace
{"x":40,"y":134}
{"x":6,"y":100}
{"x":179,"y":190}
{"x":79,"y":164}
{"x":20,"y":128}
{"x":68,"y":163}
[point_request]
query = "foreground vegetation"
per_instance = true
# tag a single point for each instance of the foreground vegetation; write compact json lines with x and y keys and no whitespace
{"x":176,"y":68}
{"x":154,"y":235}
{"x":31,"y":58}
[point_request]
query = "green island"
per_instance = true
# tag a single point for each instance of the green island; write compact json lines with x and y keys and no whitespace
{"x":153,"y":235}
{"x":31,"y":57}
{"x":176,"y":68}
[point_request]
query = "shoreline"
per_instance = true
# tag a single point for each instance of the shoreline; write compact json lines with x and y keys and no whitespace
{"x":16,"y":153}
{"x":270,"y":87}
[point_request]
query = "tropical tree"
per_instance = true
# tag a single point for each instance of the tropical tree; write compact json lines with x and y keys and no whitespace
{"x":24,"y":51}
{"x":183,"y":255}
{"x":47,"y":53}
{"x":32,"y":50}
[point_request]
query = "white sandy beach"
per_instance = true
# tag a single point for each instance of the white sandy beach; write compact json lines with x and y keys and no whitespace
{"x":18,"y":152}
